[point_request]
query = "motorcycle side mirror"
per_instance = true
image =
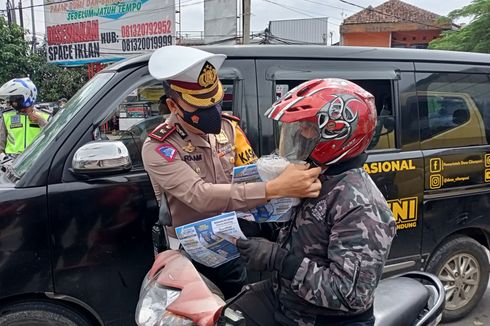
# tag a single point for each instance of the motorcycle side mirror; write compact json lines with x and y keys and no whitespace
{"x":230,"y":316}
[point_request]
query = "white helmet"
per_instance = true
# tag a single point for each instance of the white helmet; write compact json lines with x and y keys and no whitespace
{"x":17,"y":88}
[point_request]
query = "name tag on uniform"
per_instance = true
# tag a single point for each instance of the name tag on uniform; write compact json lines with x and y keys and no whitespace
{"x":222,"y":138}
{"x":15,"y":122}
{"x":192,"y":158}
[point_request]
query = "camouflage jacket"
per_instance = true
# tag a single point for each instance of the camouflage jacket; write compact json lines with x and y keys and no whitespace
{"x":340,"y":242}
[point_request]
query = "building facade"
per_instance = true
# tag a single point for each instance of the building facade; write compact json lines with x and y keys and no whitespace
{"x":393,"y":24}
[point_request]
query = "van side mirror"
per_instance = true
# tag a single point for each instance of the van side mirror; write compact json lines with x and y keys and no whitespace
{"x":98,"y":157}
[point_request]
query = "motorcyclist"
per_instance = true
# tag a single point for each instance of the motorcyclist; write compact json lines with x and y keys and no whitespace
{"x":22,"y":123}
{"x":327,"y":263}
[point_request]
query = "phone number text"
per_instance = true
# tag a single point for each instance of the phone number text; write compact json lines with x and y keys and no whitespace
{"x":145,"y":43}
{"x":150,"y":28}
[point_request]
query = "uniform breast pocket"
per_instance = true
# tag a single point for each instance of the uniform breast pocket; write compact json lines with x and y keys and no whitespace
{"x":228,"y":163}
{"x":226,"y":155}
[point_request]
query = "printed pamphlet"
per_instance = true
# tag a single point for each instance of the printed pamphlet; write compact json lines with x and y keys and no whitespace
{"x":211,"y":241}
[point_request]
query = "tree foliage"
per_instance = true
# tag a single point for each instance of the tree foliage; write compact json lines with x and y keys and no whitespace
{"x":473,"y":37}
{"x":13,"y":52}
{"x":16,"y":60}
{"x":54,"y":81}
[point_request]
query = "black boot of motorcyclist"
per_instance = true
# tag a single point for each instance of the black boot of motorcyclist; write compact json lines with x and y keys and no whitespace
{"x":259,"y":307}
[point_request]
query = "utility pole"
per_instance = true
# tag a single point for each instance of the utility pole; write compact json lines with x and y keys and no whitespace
{"x":33,"y":28}
{"x":246,"y":21}
{"x":178,"y":34}
{"x":11,"y":12}
{"x":9,"y":16}
{"x":21,"y":14}
{"x":180,"y":23}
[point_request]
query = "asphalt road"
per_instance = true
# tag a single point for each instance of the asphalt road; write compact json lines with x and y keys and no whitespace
{"x":479,"y":316}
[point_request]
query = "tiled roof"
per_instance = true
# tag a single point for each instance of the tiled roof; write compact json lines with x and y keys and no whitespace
{"x":392,"y":11}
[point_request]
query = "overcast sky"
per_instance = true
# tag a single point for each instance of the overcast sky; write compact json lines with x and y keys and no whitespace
{"x":265,"y":10}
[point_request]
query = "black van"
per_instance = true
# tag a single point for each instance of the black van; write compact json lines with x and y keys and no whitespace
{"x":77,"y":208}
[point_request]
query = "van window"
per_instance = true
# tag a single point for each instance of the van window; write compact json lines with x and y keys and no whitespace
{"x":384,"y":137}
{"x":141,"y":111}
{"x":442,"y":113}
{"x":454,"y":109}
{"x":228,"y":88}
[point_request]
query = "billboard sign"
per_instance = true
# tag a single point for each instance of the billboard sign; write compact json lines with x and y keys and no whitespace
{"x":86,"y":31}
{"x":220,"y":20}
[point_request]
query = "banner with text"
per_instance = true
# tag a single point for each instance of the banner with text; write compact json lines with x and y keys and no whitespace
{"x":86,"y":31}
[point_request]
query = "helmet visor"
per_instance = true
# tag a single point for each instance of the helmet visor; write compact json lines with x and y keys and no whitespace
{"x":298,"y":139}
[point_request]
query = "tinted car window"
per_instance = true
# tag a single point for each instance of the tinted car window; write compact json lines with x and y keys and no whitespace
{"x":454,"y":109}
{"x":130,"y":120}
{"x":442,"y":114}
{"x":228,"y":88}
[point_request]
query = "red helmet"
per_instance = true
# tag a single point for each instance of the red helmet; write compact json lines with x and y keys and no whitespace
{"x":328,"y":120}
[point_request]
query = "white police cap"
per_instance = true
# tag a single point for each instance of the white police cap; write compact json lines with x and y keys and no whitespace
{"x":181,"y":63}
{"x":189,"y":71}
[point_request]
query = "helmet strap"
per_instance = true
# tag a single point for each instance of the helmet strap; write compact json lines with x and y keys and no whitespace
{"x":342,"y":166}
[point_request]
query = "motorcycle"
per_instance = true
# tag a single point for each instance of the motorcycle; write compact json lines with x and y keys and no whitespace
{"x":174,"y":293}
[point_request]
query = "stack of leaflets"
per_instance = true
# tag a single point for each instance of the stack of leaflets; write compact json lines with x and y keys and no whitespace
{"x":211,"y":241}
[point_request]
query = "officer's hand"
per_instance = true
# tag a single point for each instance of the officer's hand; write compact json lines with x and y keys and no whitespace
{"x":261,"y":255}
{"x":32,"y":115}
{"x":297,"y":180}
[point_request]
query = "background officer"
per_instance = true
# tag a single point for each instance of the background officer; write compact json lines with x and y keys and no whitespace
{"x":22,"y":123}
{"x":191,"y":156}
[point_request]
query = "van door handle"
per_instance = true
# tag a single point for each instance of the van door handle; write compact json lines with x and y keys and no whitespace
{"x":108,"y":180}
{"x":462,"y":218}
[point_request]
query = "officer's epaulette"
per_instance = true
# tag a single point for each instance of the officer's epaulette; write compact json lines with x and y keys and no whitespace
{"x":161,"y":132}
{"x":230,"y":117}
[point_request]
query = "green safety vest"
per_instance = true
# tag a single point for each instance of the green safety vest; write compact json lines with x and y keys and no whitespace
{"x":21,"y":132}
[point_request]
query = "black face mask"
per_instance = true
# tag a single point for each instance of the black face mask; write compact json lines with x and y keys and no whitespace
{"x":207,"y":120}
